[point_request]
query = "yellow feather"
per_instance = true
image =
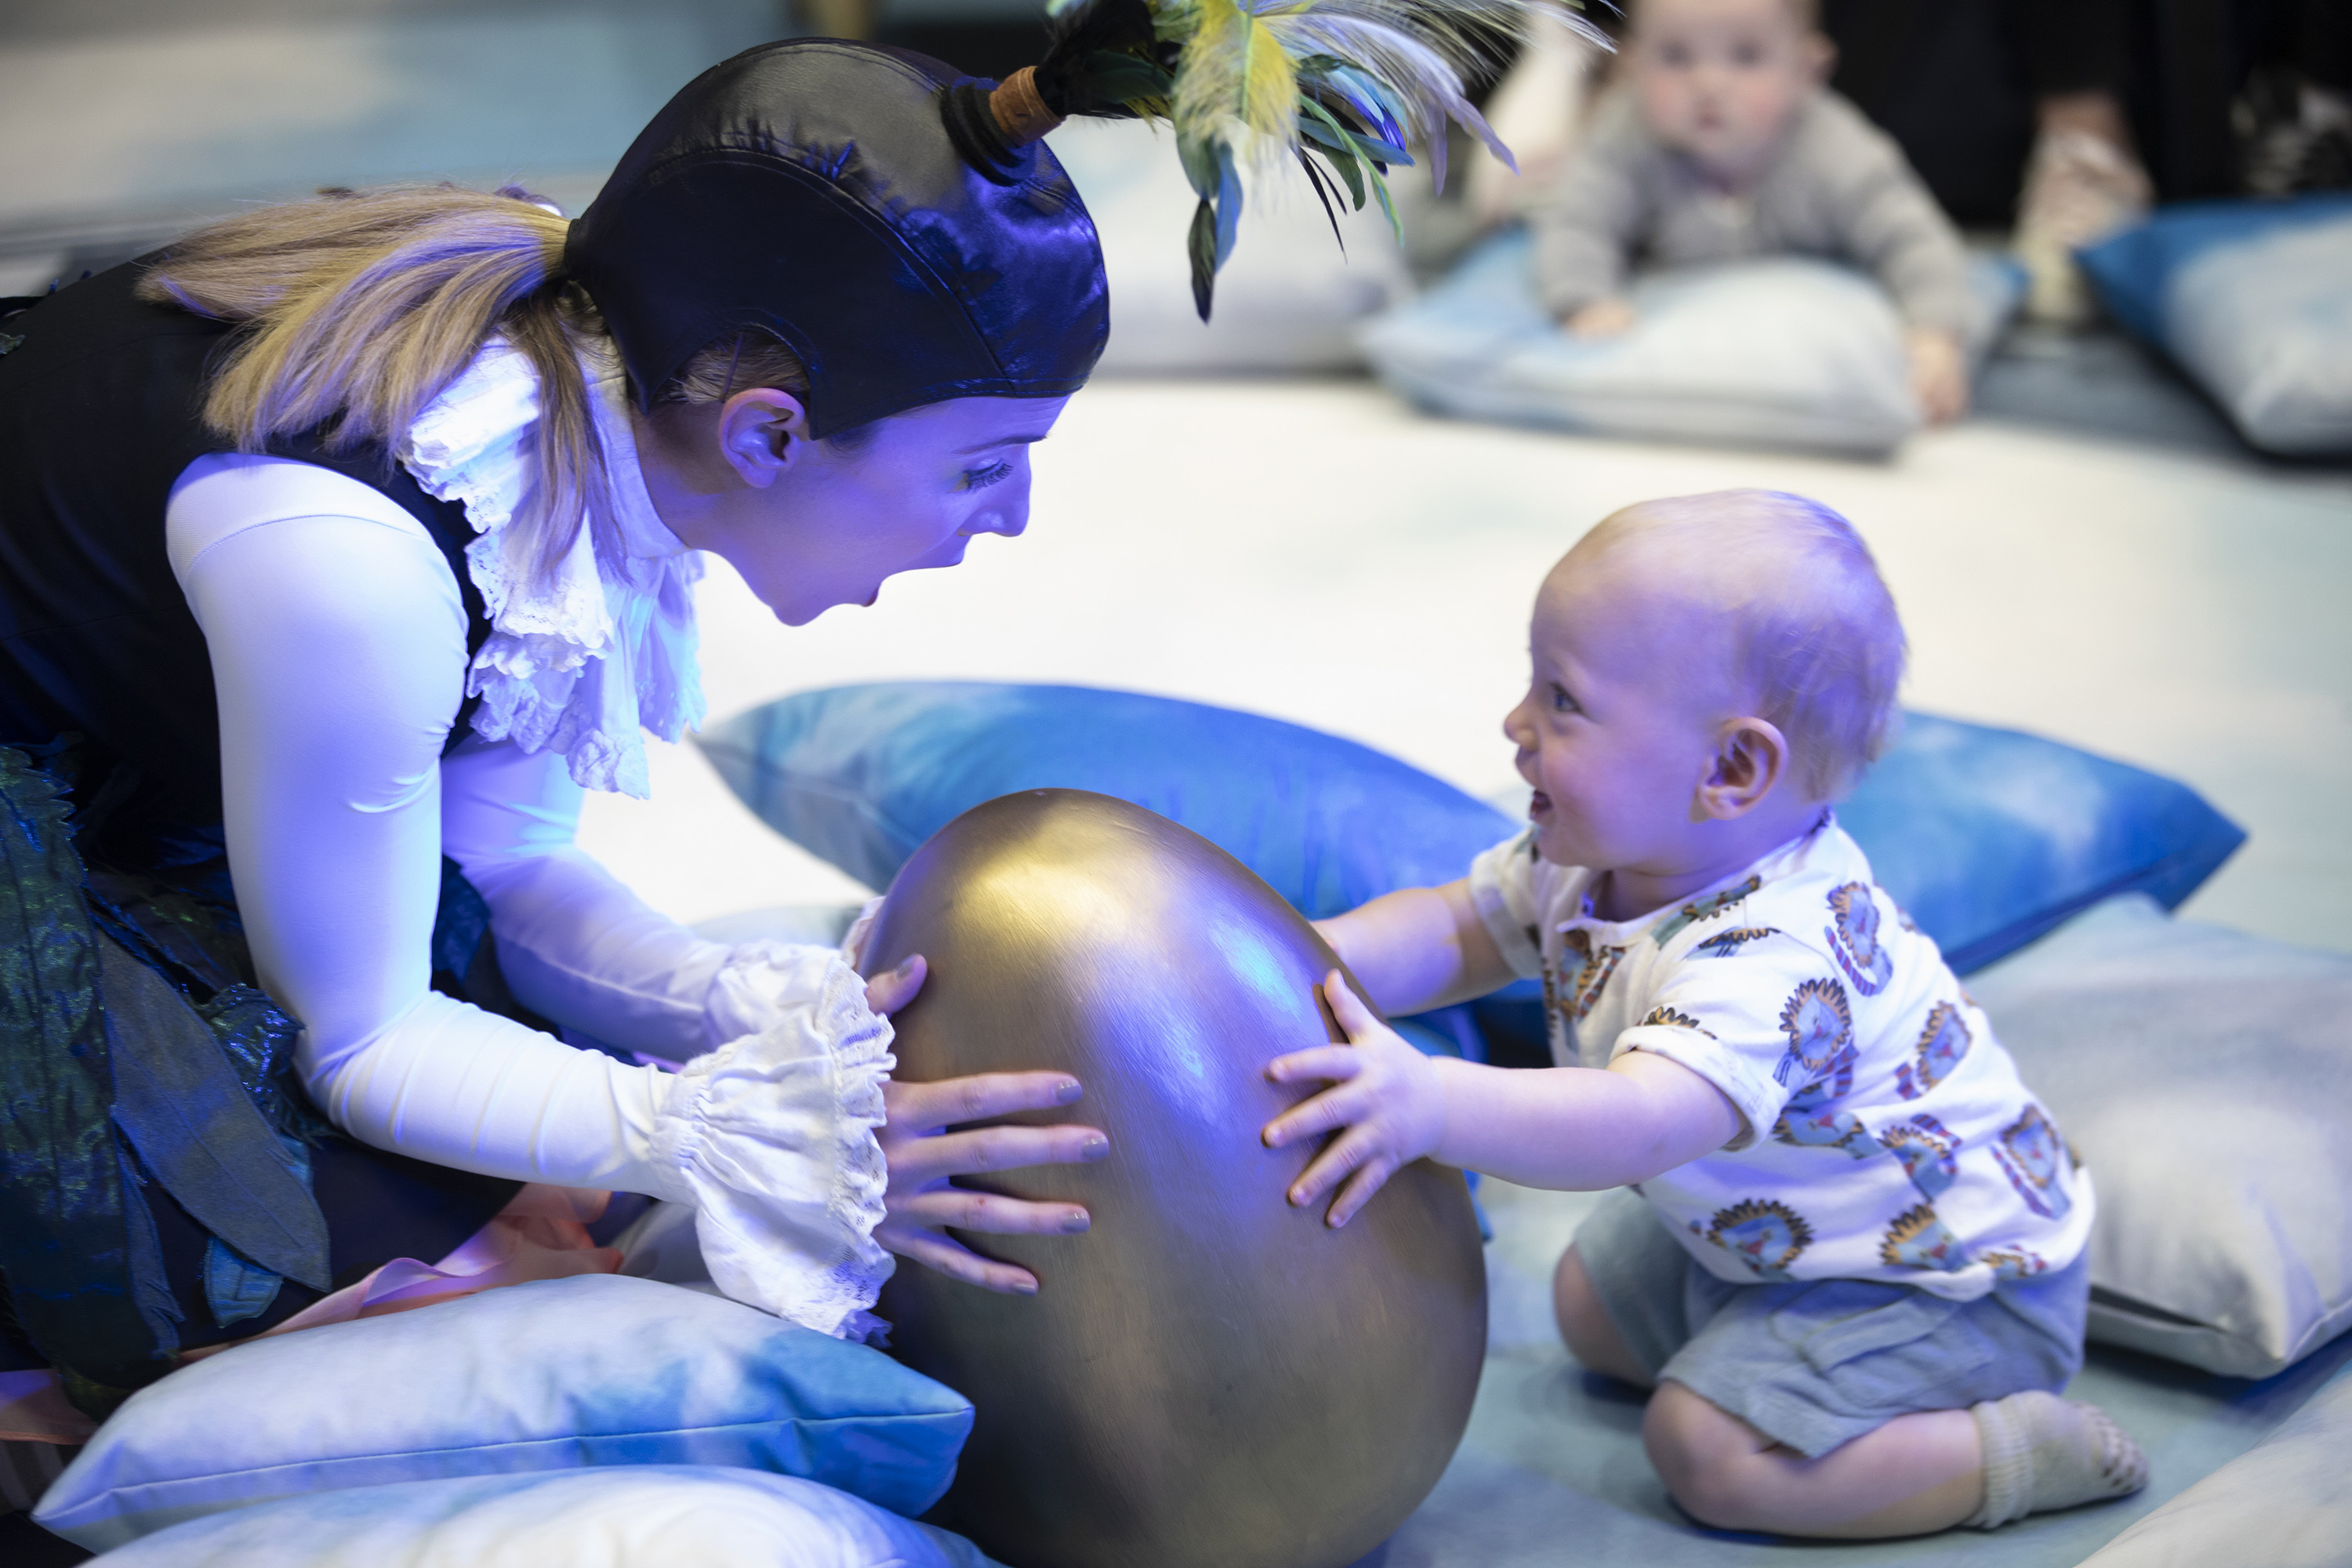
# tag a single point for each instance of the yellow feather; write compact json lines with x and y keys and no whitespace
{"x":1235,"y":69}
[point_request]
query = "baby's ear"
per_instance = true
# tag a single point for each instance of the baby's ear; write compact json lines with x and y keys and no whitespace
{"x":1821,"y":57}
{"x":1752,"y":757}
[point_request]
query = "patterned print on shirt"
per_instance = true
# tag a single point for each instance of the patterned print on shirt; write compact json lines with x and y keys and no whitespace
{"x":1835,"y":1083}
{"x":1826,"y":1129}
{"x":1918,"y":1240}
{"x":1705,"y":909}
{"x":1668,"y":1019}
{"x":2013,"y":1262}
{"x":1765,"y":1235}
{"x":1819,"y":1025}
{"x":1943,"y":1041}
{"x":1928,"y":1151}
{"x":1852,"y":934}
{"x":2032,"y":1156}
{"x":1726,"y":944}
{"x":1593,"y":969}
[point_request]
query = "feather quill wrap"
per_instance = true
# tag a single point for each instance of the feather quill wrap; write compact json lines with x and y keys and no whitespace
{"x":1348,"y":88}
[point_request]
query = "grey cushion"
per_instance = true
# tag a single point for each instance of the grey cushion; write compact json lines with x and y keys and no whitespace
{"x":2205,"y":1076}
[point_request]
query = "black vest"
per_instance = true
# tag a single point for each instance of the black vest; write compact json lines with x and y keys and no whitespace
{"x":98,"y":415}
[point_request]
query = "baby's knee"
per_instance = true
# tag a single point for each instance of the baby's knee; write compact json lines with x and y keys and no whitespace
{"x":1709,"y":1460}
{"x":1585,"y":1326}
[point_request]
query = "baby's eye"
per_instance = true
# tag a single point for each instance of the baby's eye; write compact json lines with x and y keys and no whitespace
{"x":981,"y":477}
{"x":1748,"y":54}
{"x":1562,"y":703}
{"x":1675,"y":55}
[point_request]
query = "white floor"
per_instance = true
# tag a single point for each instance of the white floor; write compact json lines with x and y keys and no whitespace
{"x":1317,"y":551}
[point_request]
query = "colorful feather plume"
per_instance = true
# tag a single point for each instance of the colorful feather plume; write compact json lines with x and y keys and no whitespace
{"x":1348,"y":88}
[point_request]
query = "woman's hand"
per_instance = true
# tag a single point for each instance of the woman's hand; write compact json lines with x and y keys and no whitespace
{"x":1386,"y":1094}
{"x":922,"y":1157}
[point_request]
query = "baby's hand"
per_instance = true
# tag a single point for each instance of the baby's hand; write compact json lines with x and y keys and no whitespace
{"x":1601,"y":319}
{"x":1386,"y":1094}
{"x":1939,"y":374}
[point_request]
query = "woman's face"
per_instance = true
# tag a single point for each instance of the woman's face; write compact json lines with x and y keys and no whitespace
{"x":811,"y":525}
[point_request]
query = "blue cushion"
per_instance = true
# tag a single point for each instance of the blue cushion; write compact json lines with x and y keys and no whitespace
{"x":860,"y":776}
{"x":1987,"y":837}
{"x":2254,"y":300}
{"x":595,"y":1370}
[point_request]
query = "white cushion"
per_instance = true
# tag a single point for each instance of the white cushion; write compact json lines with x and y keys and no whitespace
{"x":2205,"y":1076}
{"x":2267,"y":325}
{"x":1784,"y":352}
{"x":631,"y":1516}
{"x":1288,"y":297}
{"x":554,"y":1375}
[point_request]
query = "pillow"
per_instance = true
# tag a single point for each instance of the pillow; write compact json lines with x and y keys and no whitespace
{"x":861,"y":776}
{"x":624,"y":1516}
{"x":593,"y":1369}
{"x":1289,"y":297}
{"x":2254,"y":300}
{"x":2283,"y":1503}
{"x":2205,"y":1078}
{"x":1785,"y":351}
{"x":1989,"y":838}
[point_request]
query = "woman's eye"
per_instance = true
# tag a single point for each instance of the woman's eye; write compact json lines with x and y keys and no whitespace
{"x":981,"y":477}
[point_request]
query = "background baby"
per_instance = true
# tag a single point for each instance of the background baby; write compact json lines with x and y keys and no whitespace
{"x":1852,"y":1256}
{"x":1719,"y":142}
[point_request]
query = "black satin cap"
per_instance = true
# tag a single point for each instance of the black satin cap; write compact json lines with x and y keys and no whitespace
{"x":810,"y":188}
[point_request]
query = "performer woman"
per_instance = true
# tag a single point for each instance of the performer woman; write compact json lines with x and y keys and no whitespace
{"x":353,"y":533}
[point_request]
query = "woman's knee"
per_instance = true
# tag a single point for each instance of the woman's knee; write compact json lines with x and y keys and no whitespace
{"x":1590,"y":1334}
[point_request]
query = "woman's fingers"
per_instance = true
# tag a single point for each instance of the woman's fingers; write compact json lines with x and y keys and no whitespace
{"x":919,"y":1161}
{"x":893,"y":989}
{"x":917,"y":1109}
{"x":960,"y":1209}
{"x":951,"y":1258}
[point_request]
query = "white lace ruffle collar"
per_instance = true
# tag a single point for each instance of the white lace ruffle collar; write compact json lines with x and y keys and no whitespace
{"x":603,"y":648}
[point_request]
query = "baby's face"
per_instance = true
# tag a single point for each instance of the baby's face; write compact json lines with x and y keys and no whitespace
{"x":1719,"y":78}
{"x":1617,"y":729}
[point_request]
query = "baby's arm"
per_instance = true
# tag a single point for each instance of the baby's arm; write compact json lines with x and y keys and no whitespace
{"x":1569,"y":1128}
{"x":1894,"y":228}
{"x":1419,"y":948}
{"x":1585,"y":233}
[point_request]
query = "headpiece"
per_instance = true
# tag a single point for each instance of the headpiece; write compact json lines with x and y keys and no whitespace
{"x":810,"y":189}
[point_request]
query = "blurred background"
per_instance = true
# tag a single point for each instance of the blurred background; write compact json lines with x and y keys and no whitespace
{"x":1246,"y":514}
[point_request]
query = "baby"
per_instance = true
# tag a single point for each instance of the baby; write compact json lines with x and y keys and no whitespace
{"x":1721,"y":142}
{"x":1850,"y":1256}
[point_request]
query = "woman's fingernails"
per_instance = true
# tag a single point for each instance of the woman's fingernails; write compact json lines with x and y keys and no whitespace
{"x":1073,"y":1224}
{"x":1093,"y":1148}
{"x":1069,"y":1092}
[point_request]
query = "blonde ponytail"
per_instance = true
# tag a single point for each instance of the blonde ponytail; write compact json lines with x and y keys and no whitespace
{"x":357,"y":309}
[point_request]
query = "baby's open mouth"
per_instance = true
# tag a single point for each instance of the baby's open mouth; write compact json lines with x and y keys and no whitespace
{"x":1538,"y":803}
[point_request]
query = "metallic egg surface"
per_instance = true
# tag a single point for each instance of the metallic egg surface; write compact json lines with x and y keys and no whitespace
{"x":1209,"y":1378}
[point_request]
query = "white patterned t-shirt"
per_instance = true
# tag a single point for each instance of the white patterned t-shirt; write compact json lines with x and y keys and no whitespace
{"x":1888,"y":1135}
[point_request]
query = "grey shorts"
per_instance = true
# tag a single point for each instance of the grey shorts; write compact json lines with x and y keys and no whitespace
{"x":1818,"y":1363}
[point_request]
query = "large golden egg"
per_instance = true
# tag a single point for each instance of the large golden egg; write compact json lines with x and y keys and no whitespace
{"x":1210,"y":1378}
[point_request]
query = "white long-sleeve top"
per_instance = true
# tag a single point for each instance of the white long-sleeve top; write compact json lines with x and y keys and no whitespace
{"x":337,"y":637}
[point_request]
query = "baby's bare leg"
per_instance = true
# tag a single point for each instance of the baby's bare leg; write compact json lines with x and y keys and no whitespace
{"x":1918,"y":1473}
{"x":1592,"y":1339}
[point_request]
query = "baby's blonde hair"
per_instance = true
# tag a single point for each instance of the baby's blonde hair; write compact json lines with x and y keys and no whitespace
{"x":1815,"y":642}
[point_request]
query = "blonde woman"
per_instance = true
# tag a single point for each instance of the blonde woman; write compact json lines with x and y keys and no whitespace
{"x":346,"y":536}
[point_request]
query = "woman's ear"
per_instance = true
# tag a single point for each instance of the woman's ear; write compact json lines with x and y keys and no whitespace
{"x":1752,"y":757}
{"x":761,"y":433}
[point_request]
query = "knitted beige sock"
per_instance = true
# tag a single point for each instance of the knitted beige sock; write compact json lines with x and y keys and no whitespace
{"x":2042,"y":1452}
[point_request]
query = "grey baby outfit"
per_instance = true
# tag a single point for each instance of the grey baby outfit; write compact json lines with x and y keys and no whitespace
{"x":1839,"y":189}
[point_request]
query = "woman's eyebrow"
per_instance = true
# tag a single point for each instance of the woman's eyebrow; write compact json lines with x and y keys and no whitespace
{"x":1002,"y":441}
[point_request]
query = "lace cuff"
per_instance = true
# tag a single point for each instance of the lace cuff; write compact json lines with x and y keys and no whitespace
{"x":773,"y":1132}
